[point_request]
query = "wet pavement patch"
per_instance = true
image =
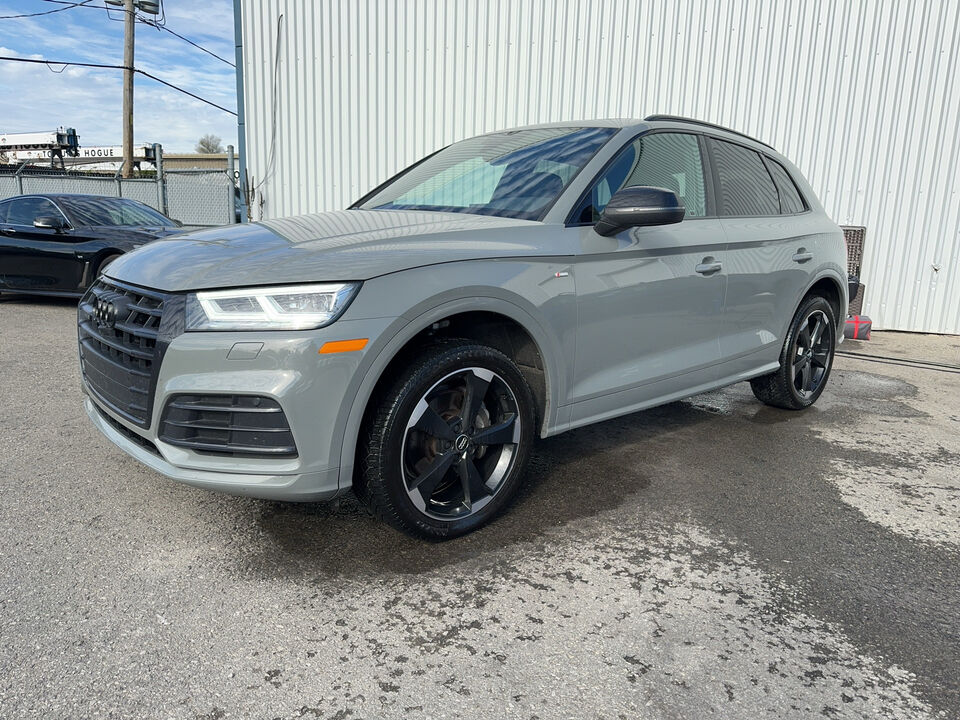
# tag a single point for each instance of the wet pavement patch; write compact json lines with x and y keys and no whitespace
{"x":712,"y":557}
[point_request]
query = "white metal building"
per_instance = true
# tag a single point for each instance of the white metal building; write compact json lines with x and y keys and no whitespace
{"x":862,"y":95}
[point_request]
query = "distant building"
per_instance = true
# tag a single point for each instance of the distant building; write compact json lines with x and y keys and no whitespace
{"x":195,"y":161}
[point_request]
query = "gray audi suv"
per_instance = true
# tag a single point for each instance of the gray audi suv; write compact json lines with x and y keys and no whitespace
{"x":514,"y":285}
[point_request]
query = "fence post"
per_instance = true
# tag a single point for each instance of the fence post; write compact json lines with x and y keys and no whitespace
{"x":231,"y":204}
{"x":161,"y":180}
{"x":19,"y":178}
{"x":116,"y":179}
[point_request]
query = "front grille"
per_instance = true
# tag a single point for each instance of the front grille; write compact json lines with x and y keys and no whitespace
{"x":128,"y":433}
{"x":247,"y":425}
{"x":120,"y":354}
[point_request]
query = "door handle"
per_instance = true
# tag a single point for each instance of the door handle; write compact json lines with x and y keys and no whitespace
{"x":7,"y":231}
{"x":709,"y":266}
{"x":802,"y":256}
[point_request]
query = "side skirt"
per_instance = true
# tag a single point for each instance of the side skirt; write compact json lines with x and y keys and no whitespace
{"x":670,"y":397}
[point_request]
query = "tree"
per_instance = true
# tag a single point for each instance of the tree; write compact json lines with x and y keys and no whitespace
{"x":209,"y":144}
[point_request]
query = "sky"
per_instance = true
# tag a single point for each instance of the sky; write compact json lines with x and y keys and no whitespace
{"x":35,"y":98}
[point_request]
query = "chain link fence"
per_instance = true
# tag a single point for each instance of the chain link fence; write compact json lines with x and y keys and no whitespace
{"x":8,"y":186}
{"x":200,"y":197}
{"x":194,"y":197}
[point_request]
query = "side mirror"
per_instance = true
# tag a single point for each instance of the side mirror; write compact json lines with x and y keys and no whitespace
{"x":639,"y":206}
{"x":50,"y":222}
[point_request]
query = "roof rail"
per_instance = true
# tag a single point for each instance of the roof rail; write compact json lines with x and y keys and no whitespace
{"x":678,"y":118}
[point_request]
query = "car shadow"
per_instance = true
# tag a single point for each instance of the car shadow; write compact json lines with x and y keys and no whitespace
{"x":576,"y":475}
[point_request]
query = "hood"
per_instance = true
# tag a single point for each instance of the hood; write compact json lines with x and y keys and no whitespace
{"x":334,"y":246}
{"x":131,"y":234}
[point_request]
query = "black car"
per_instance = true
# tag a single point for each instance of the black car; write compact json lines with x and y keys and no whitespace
{"x":57,"y":244}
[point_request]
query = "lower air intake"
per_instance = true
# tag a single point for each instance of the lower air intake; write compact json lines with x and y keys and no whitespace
{"x":233,"y":425}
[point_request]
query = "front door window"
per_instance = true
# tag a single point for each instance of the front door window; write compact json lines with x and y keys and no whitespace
{"x":665,"y":160}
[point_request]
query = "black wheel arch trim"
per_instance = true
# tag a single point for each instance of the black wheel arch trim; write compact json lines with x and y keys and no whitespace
{"x":839,"y":280}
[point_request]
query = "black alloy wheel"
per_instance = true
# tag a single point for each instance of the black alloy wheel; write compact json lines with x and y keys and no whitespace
{"x":460,"y":443}
{"x":812,"y":354}
{"x":446,"y":446}
{"x":805,"y":360}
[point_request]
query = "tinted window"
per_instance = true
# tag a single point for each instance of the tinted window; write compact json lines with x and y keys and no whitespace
{"x":23,"y":211}
{"x":513,"y":174}
{"x":665,"y":160}
{"x":745,"y":186}
{"x":99,"y":211}
{"x":790,"y":200}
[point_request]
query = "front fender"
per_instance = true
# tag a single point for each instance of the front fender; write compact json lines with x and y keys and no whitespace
{"x":547,"y":314}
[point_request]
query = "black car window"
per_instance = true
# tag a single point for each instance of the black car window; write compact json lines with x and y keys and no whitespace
{"x":24,"y":210}
{"x":665,"y":160}
{"x":113,"y":212}
{"x":4,"y":205}
{"x":745,"y":186}
{"x":790,"y":200}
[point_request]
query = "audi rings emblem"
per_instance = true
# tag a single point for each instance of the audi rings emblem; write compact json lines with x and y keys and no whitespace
{"x":105,"y":313}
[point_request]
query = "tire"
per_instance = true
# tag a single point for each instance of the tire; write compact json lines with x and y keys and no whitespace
{"x":805,"y":361}
{"x":428,"y":471}
{"x":103,"y":264}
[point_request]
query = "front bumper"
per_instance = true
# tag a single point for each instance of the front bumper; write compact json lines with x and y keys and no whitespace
{"x":316,"y":392}
{"x":321,"y":485}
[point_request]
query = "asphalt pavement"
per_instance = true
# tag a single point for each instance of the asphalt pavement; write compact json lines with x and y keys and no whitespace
{"x":710,"y":558}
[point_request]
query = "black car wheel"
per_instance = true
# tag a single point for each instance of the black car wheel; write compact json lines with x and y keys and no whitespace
{"x":805,"y":361}
{"x":102,"y":265}
{"x":447,"y":445}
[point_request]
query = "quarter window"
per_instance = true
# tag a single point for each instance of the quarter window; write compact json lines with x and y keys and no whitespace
{"x":665,"y":160}
{"x":23,"y":211}
{"x":744,"y":185}
{"x":790,"y":200}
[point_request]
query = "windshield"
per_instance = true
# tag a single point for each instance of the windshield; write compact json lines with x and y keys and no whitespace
{"x":516,"y":174}
{"x":112,"y":211}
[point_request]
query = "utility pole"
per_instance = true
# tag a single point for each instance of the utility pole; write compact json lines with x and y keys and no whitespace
{"x":129,"y":23}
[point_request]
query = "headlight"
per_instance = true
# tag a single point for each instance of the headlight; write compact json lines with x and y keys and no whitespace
{"x":293,"y":307}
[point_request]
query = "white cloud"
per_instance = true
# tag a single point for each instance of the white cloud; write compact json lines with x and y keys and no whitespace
{"x":37,"y":98}
{"x":211,"y":20}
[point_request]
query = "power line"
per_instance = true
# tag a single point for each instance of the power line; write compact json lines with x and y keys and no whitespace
{"x":140,"y":19}
{"x":185,"y":92}
{"x":69,"y":6}
{"x":117,"y":67}
{"x":186,"y":40}
{"x":54,"y":62}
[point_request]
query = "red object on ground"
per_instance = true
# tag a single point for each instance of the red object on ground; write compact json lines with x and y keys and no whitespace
{"x":857,"y":327}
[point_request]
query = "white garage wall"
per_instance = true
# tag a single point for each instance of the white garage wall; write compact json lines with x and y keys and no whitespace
{"x":862,"y":96}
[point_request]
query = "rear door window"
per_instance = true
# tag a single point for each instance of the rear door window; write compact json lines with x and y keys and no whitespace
{"x":790,"y":200}
{"x":744,"y":187}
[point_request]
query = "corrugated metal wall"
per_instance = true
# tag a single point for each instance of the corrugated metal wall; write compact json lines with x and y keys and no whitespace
{"x":862,"y":96}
